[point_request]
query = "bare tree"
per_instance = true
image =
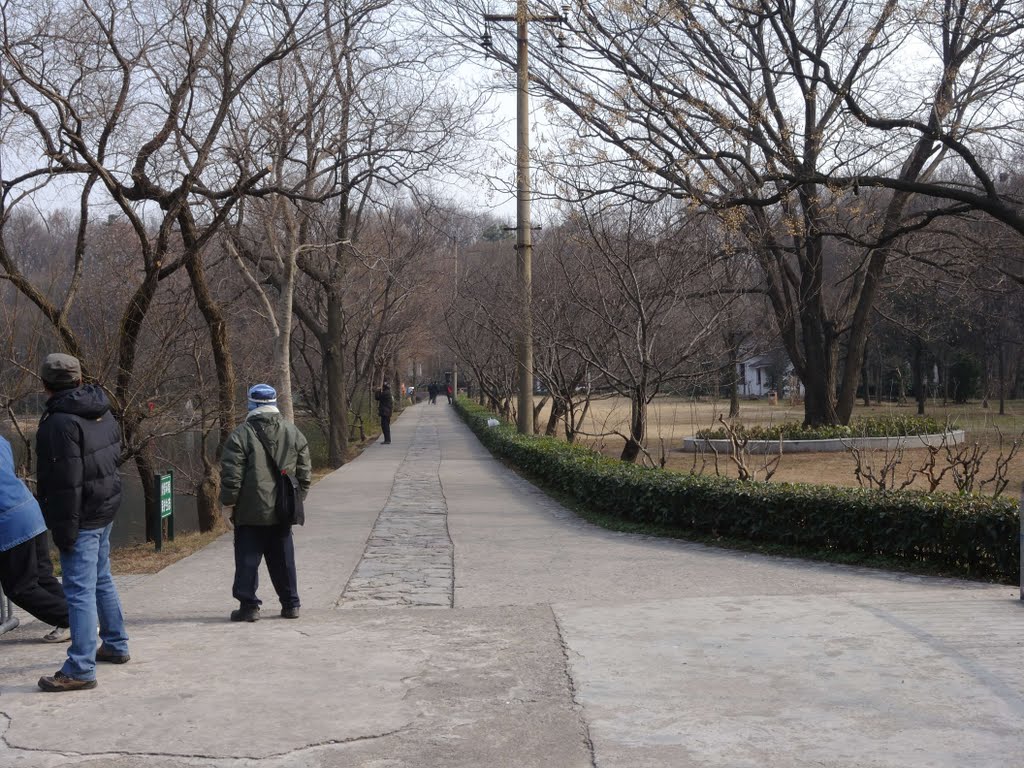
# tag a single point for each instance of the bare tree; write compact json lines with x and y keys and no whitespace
{"x":132,"y":102}
{"x":779,"y":116}
{"x":383,"y":115}
{"x":645,"y":278}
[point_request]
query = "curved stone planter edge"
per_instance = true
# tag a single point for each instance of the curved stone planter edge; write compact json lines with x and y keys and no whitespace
{"x":829,"y":445}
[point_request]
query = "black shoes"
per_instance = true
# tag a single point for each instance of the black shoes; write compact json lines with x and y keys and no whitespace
{"x":246,"y":613}
{"x":252,"y":613}
{"x":59,"y":682}
{"x":103,"y":654}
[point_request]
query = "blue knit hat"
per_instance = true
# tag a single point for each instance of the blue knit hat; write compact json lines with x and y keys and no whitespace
{"x":260,"y":395}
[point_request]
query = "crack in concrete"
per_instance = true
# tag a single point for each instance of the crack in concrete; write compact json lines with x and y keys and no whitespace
{"x":207,"y":760}
{"x":448,"y":533}
{"x":577,"y":706}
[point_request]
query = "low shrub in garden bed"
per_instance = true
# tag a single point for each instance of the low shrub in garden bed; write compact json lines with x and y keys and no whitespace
{"x":967,"y":534}
{"x":869,"y":426}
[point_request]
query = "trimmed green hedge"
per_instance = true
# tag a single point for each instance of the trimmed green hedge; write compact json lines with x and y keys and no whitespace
{"x":972,"y":535}
{"x":868,"y":426}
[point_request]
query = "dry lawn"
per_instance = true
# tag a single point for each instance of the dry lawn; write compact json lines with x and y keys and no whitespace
{"x":671,"y":419}
{"x":143,"y":558}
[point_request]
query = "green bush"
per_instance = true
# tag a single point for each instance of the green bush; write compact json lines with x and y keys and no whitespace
{"x":868,"y":426}
{"x":968,"y":534}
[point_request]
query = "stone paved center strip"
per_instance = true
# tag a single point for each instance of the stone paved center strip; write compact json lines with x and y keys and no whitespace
{"x":408,"y":559}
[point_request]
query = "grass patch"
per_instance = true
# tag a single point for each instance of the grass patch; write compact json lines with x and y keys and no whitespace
{"x":673,"y":418}
{"x":143,"y":558}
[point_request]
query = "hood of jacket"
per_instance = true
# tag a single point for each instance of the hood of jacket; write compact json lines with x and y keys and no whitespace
{"x":87,"y":401}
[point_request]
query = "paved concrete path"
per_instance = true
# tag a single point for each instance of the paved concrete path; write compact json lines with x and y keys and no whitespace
{"x":455,"y":617}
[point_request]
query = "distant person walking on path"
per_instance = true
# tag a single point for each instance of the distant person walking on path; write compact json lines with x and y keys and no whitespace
{"x":432,"y":391}
{"x":385,"y":407}
{"x":448,"y":392}
{"x":248,"y":484}
{"x":26,"y":573}
{"x":78,"y":447}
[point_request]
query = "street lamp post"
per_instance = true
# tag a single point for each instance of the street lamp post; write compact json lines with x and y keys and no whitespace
{"x":524,"y":239}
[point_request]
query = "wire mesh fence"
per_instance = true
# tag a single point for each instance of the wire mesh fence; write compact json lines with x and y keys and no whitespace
{"x":8,"y":620}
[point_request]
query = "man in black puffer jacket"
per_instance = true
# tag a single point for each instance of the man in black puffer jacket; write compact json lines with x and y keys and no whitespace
{"x":78,"y":447}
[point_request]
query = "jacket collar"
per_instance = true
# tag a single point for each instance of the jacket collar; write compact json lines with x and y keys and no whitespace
{"x":263,"y":409}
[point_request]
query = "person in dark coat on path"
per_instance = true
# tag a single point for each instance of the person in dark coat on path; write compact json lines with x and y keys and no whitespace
{"x":78,"y":446}
{"x":432,"y":391}
{"x":26,"y":573}
{"x":249,"y":485}
{"x":385,"y":407}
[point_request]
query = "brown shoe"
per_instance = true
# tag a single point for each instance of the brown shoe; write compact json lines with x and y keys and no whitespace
{"x":61,"y":682}
{"x":103,"y":654}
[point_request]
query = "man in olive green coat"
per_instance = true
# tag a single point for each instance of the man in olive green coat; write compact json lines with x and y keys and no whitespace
{"x":248,"y":484}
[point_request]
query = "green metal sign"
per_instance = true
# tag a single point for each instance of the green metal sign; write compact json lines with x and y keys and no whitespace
{"x":165,"y":497}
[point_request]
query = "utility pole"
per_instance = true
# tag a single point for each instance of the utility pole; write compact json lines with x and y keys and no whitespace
{"x":524,"y":237}
{"x":455,"y":362}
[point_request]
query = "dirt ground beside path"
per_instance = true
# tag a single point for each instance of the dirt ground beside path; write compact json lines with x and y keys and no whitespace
{"x":671,"y":419}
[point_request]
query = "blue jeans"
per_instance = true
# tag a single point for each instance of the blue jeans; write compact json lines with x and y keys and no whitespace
{"x":91,"y":596}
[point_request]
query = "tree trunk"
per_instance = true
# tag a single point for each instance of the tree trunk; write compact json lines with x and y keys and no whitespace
{"x":218,"y":331}
{"x":144,"y":464}
{"x":283,"y":368}
{"x":557,"y":411}
{"x":572,"y":423}
{"x":637,"y":426}
{"x":919,"y":377}
{"x":866,"y":378}
{"x":337,"y":396}
{"x":396,"y":380}
{"x":283,"y":345}
{"x":537,"y":408}
{"x":945,"y":382}
{"x":880,"y":380}
{"x":1002,"y":377}
{"x":734,"y":378}
{"x":208,"y":493}
{"x":819,"y":386}
{"x":986,"y":382}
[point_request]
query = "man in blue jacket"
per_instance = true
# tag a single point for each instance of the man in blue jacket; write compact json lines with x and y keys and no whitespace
{"x":26,"y":573}
{"x":78,"y":446}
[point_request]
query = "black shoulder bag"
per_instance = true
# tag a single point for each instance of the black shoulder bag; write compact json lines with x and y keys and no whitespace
{"x":288,"y":503}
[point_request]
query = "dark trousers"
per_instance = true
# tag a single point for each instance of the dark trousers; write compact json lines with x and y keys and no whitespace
{"x":385,"y":426}
{"x":252,"y":544}
{"x":26,"y":575}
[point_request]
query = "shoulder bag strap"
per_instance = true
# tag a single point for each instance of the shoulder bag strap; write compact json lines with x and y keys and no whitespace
{"x":262,"y":437}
